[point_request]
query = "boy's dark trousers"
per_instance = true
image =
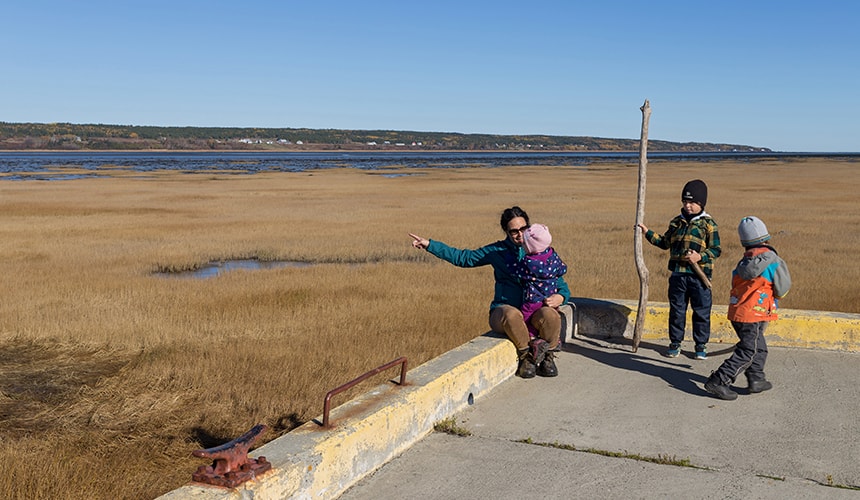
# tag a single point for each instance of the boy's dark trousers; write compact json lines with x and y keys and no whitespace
{"x":749,"y":356}
{"x":684,"y":289}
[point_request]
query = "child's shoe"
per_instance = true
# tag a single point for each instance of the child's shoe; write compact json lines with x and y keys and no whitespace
{"x":673,"y":351}
{"x":720,"y":390}
{"x":760,"y":386}
{"x":537,"y":350}
{"x":757,"y":382}
{"x":701,"y":351}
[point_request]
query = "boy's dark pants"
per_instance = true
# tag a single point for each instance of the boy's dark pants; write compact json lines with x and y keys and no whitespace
{"x":749,"y":356}
{"x":683,"y":289}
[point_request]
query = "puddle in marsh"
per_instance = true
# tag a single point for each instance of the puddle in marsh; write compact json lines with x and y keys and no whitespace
{"x":215,"y":268}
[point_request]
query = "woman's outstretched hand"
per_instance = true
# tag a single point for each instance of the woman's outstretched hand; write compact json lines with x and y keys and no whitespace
{"x":419,"y":242}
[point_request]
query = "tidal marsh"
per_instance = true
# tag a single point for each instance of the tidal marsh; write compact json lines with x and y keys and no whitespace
{"x":111,"y":375}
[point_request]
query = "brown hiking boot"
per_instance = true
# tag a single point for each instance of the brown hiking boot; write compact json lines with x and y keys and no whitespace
{"x":526,"y":368}
{"x":547,"y":368}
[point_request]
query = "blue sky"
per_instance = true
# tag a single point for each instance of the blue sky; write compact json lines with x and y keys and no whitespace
{"x":777,"y":74}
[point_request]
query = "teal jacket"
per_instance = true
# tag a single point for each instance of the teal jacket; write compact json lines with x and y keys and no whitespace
{"x":508,"y":289}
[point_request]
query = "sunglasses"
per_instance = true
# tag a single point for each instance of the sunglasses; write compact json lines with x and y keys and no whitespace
{"x":514,"y":232}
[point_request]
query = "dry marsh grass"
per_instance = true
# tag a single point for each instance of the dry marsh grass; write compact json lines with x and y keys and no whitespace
{"x":110,"y":375}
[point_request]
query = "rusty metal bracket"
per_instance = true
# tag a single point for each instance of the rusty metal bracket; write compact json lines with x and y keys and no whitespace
{"x":231,"y":466}
{"x":352,"y":383}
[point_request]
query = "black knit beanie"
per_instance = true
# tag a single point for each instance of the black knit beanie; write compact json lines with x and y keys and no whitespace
{"x":695,"y":191}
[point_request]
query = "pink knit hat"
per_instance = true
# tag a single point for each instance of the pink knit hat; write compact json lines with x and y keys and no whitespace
{"x":537,"y":238}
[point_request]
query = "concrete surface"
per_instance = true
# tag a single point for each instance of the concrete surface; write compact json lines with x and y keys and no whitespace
{"x":785,"y":442}
{"x":789,"y":442}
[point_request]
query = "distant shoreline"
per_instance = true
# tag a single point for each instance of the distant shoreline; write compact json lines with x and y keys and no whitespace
{"x":38,"y":136}
{"x":331,"y":150}
{"x":808,"y":154}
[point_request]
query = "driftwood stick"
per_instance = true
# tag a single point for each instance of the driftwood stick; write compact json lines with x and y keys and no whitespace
{"x":697,"y":270}
{"x":637,"y":235}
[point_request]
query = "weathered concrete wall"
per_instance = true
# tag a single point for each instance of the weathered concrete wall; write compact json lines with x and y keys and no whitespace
{"x":312,"y":462}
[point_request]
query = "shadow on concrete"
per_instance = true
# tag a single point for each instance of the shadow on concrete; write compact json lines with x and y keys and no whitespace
{"x":675,"y":374}
{"x":495,"y":335}
{"x":661,"y":349}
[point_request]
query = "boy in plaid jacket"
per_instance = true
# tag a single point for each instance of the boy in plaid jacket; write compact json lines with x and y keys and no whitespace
{"x":692,"y":240}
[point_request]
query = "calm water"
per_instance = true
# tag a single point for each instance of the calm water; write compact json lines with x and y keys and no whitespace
{"x":214,"y":269}
{"x":43,"y":166}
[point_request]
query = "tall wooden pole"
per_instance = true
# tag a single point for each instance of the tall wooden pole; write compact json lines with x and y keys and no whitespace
{"x":637,"y":236}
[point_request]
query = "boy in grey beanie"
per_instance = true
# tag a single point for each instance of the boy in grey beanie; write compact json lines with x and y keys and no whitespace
{"x":760,"y":278}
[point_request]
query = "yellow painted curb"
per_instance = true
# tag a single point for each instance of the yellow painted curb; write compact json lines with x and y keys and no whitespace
{"x":312,"y":462}
{"x":794,"y":328}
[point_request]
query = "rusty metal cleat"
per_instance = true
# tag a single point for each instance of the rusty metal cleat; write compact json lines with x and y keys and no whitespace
{"x":231,"y":465}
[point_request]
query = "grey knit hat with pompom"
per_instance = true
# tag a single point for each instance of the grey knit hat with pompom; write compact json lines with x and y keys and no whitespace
{"x":752,"y":231}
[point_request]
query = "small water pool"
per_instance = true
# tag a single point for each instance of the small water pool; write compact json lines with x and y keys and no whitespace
{"x":216,"y":268}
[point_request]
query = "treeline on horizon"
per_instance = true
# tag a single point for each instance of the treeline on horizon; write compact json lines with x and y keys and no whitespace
{"x":71,"y":137}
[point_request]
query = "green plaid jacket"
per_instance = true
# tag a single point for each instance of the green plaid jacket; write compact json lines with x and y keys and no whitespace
{"x":699,"y":234}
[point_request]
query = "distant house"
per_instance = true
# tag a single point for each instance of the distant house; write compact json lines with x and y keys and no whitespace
{"x":371,"y":143}
{"x":299,"y":143}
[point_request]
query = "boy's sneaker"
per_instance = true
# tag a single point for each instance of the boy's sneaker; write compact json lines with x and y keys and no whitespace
{"x":673,"y":351}
{"x":701,"y":352}
{"x":719,"y":389}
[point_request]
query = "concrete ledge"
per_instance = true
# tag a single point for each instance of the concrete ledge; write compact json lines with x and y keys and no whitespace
{"x":312,"y":462}
{"x":794,"y":328}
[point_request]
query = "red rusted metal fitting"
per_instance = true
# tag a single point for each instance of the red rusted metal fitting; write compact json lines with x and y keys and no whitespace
{"x":231,"y":466}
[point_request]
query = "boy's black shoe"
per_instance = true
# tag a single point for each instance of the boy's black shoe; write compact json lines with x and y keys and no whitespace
{"x":759,"y":386}
{"x":548,"y":368}
{"x":720,"y":390}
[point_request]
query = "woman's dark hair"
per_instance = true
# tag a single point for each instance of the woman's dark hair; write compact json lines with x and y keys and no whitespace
{"x":512,"y":213}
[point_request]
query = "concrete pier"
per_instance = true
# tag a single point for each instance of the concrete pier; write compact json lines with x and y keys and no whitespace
{"x":595,"y":431}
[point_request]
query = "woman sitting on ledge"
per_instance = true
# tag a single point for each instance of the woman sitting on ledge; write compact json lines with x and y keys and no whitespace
{"x":535,"y":356}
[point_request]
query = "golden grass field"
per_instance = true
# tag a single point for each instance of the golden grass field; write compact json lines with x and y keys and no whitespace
{"x":110,"y":376}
